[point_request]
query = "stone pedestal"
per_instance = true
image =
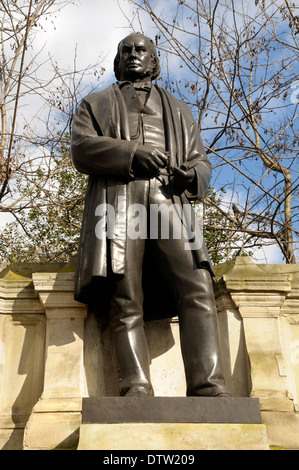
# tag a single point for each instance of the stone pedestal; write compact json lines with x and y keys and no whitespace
{"x":56,"y":417}
{"x":258,"y":308}
{"x":22,"y":346}
{"x":193,"y":423}
{"x":52,"y":355}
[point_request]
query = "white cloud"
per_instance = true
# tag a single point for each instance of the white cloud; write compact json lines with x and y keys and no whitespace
{"x":270,"y":254}
{"x":95,"y":27}
{"x":5,"y":218}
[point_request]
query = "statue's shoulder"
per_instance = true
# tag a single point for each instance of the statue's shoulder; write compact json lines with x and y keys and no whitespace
{"x":99,"y":97}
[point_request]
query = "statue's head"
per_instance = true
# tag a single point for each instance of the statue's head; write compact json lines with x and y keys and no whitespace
{"x":136,"y":58}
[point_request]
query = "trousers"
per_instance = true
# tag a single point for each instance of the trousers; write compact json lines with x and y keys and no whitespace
{"x":193,"y":291}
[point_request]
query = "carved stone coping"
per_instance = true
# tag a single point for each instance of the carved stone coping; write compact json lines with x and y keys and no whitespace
{"x":56,"y":291}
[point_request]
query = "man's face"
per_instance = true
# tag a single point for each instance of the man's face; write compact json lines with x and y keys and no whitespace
{"x":135,"y":58}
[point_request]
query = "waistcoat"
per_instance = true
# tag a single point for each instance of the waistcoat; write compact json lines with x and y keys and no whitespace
{"x":145,"y":121}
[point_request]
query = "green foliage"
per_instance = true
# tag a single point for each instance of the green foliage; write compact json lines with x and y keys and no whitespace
{"x":47,"y":228}
{"x":224,"y":241}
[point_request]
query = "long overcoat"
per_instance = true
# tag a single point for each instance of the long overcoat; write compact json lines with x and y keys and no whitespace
{"x":102,"y":148}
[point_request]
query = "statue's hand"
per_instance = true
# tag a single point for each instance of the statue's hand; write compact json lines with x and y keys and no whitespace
{"x":148,"y":161}
{"x":182,"y":177}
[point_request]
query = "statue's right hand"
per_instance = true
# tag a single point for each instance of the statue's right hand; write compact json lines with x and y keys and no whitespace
{"x":148,"y":161}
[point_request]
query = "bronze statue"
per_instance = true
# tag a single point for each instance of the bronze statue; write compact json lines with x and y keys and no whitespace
{"x":141,"y":148}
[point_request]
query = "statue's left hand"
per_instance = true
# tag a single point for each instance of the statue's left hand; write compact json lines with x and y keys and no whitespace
{"x":182,"y":177}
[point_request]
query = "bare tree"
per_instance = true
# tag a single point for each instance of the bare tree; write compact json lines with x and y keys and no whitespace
{"x":38,"y":99}
{"x":234,"y":62}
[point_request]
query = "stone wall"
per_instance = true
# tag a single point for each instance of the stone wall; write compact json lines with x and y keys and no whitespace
{"x":52,"y":353}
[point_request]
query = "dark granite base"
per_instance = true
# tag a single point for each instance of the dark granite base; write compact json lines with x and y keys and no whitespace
{"x":111,"y":410}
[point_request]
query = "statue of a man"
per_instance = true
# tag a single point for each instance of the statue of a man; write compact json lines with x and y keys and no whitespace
{"x":142,"y":149}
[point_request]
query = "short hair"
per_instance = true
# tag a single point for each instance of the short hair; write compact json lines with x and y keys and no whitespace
{"x":155,"y":59}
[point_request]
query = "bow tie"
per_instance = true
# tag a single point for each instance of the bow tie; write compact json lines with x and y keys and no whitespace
{"x":142,"y":86}
{"x":145,"y":86}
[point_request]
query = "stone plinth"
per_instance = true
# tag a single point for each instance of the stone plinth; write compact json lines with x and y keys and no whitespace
{"x":173,"y":436}
{"x":193,"y":423}
{"x":55,"y":419}
{"x":258,"y":308}
{"x":22,"y":355}
{"x":52,"y":354}
{"x":171,"y":410}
